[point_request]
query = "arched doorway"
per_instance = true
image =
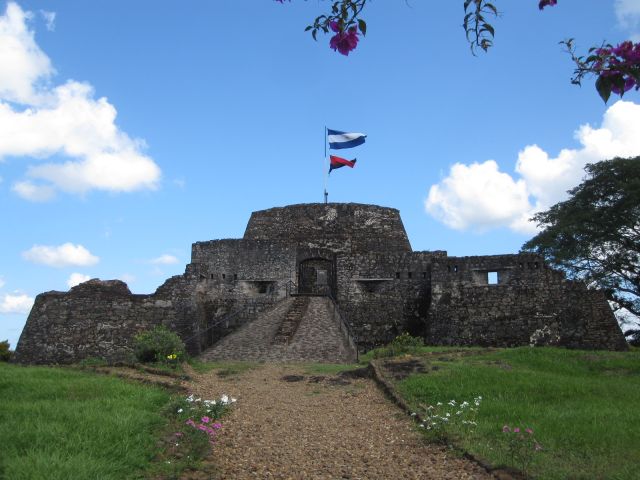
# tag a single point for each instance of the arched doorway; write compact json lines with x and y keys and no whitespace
{"x":316,"y":276}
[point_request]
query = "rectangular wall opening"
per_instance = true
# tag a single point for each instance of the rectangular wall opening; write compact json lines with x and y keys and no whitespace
{"x":492,"y":278}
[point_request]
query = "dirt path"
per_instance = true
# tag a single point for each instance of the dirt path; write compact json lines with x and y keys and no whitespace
{"x":290,"y":424}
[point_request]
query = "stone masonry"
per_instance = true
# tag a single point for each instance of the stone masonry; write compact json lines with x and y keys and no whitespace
{"x":357,"y":264}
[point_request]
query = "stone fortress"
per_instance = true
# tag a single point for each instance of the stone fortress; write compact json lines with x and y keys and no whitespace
{"x":318,"y":282}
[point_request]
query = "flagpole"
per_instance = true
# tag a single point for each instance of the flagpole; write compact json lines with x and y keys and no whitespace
{"x":324,"y":166}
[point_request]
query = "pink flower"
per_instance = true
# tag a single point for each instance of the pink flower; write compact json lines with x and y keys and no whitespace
{"x":178,"y":434}
{"x":529,"y":431}
{"x":344,"y":42}
{"x":190,"y":422}
{"x":217,"y":426}
{"x":516,"y":430}
{"x":205,"y":419}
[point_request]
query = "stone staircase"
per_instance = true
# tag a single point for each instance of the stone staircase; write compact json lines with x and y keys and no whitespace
{"x":291,"y":321}
{"x":274,"y":337}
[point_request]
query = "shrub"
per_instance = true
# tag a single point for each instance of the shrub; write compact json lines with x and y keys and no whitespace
{"x":158,"y":345}
{"x":400,"y":345}
{"x":5,"y":353}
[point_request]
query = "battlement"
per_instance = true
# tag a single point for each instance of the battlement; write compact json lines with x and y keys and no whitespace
{"x":340,"y":227}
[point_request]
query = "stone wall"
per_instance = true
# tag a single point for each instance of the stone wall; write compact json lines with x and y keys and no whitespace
{"x":340,"y":227}
{"x":384,"y":295}
{"x":97,"y":319}
{"x":529,"y":304}
{"x":236,"y":280}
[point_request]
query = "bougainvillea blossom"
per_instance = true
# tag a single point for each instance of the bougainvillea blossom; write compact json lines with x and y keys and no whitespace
{"x":343,"y":41}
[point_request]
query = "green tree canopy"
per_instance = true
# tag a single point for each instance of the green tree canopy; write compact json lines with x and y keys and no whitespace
{"x":594,"y":236}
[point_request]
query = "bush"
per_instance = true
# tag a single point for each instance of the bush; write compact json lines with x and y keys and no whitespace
{"x":5,"y":353}
{"x":400,"y":345}
{"x":158,"y":345}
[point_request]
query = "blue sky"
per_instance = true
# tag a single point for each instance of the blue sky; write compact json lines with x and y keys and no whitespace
{"x":129,"y":130}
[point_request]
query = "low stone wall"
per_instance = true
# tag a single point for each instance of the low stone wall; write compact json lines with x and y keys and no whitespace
{"x":530,"y":305}
{"x":94,"y":319}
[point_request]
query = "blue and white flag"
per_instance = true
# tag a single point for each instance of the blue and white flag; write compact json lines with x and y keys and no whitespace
{"x":338,"y":140}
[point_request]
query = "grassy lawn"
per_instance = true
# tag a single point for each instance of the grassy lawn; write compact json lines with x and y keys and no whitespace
{"x":583,"y":407}
{"x":65,"y":424}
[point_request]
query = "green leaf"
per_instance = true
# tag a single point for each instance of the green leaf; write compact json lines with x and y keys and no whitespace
{"x":603,"y":86}
{"x":492,"y":7}
{"x":362,"y":25}
{"x":488,"y":28}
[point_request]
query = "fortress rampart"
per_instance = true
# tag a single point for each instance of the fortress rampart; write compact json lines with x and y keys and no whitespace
{"x":357,"y":254}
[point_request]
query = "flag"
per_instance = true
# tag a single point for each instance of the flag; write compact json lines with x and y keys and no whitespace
{"x":339,"y":139}
{"x":337,"y":162}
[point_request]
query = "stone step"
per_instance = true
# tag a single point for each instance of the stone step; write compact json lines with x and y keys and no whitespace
{"x":317,"y":338}
{"x":291,"y":321}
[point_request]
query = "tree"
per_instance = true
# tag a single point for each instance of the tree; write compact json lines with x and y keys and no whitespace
{"x":594,"y":236}
{"x":617,"y":68}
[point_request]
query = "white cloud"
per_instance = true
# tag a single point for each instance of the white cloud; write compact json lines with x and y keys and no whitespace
{"x":64,"y":120}
{"x":480,"y":196}
{"x":76,"y":279}
{"x":17,"y":303}
{"x":23,"y":63}
{"x":32,"y":192}
{"x":477,"y":196}
{"x":64,"y":255}
{"x":49,"y":19}
{"x":164,"y":259}
{"x":128,"y":278}
{"x":627,"y":13}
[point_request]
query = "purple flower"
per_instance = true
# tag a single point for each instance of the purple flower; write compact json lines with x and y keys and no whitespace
{"x":205,"y":419}
{"x":217,"y":426}
{"x":516,"y":430}
{"x":190,"y":422}
{"x":178,"y":434}
{"x":547,"y":3}
{"x":529,"y":431}
{"x":344,"y":42}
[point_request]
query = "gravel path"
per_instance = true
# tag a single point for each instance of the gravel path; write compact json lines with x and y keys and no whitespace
{"x":318,"y":427}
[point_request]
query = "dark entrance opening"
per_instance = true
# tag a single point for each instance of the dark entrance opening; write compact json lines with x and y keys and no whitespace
{"x":316,"y":276}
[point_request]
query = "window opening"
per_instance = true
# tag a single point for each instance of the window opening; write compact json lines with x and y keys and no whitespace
{"x":492,"y":278}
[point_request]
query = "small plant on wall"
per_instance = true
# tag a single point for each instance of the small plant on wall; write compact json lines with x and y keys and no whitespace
{"x":159,"y":345}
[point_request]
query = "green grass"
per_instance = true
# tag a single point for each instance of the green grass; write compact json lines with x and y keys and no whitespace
{"x":224,"y":369}
{"x":381,"y":352}
{"x":328,"y":368}
{"x":582,"y":406}
{"x":66,"y":424}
